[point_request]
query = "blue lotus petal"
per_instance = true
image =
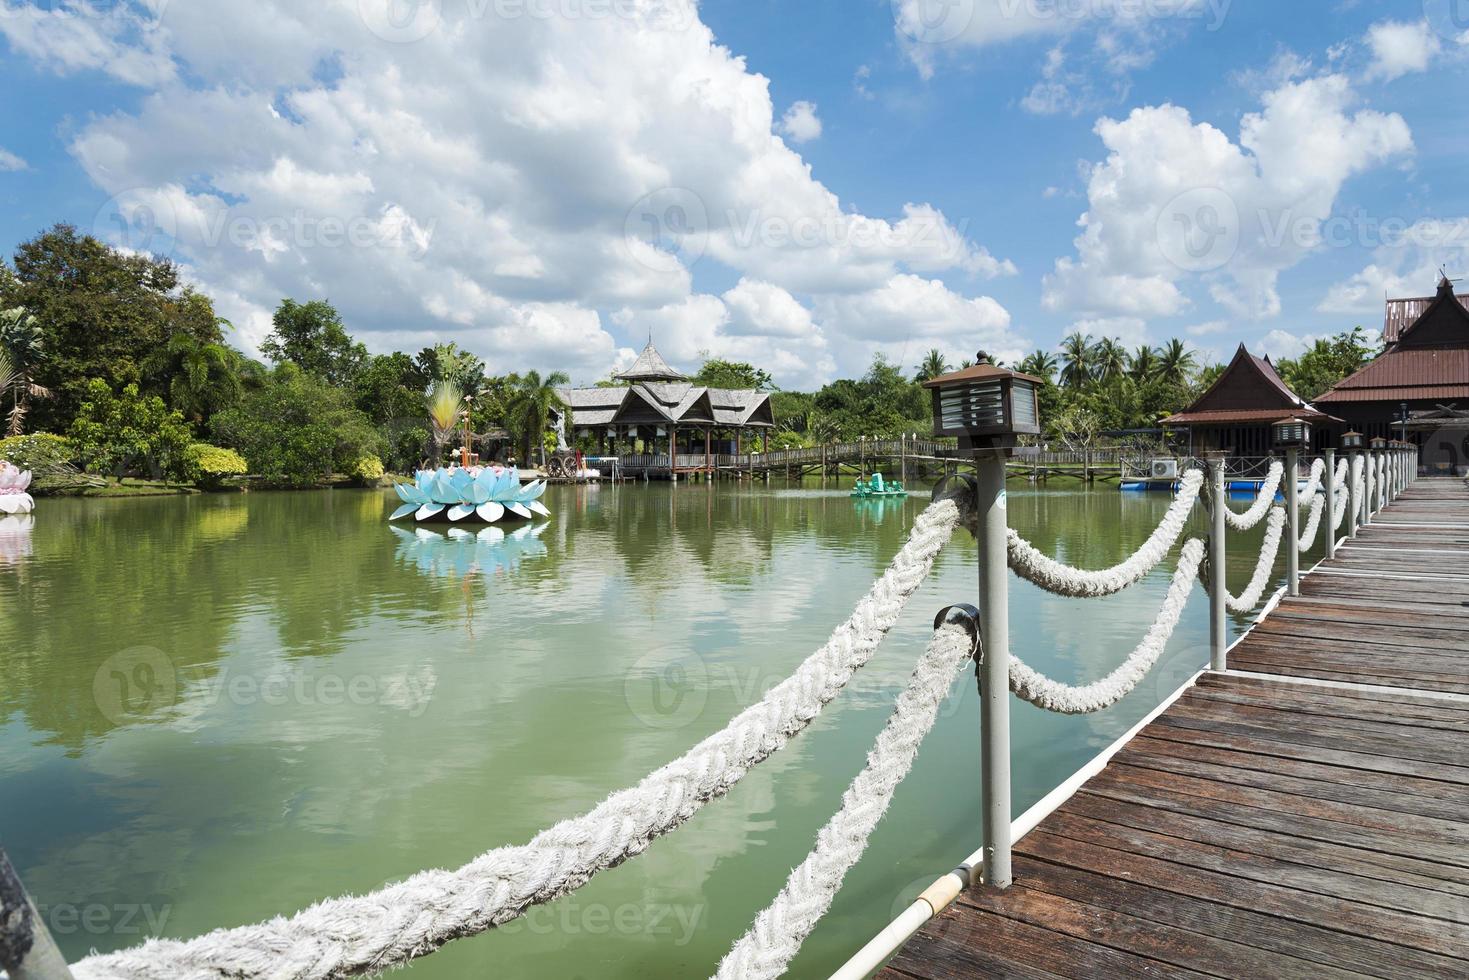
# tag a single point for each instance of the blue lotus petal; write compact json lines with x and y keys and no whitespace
{"x":490,"y":512}
{"x":402,"y":489}
{"x":428,"y":511}
{"x":460,"y":512}
{"x":518,"y":508}
{"x":403,"y":511}
{"x":461,"y":481}
{"x":480,"y":492}
{"x":534,"y":491}
{"x":539,"y":508}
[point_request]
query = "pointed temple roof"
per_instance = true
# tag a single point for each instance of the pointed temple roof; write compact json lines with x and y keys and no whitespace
{"x":650,"y":367}
{"x":1248,"y":392}
{"x":1426,"y":360}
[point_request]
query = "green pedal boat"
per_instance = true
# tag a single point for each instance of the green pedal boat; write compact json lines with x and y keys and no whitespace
{"x":878,"y":487}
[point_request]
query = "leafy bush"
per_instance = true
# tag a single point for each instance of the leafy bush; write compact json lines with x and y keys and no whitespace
{"x":126,"y":432}
{"x":48,"y":457}
{"x":296,"y":430}
{"x":367,"y":471}
{"x":210,"y":466}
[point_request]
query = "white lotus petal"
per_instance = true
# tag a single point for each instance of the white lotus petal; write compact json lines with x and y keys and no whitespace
{"x":519,"y":509}
{"x":460,"y":512}
{"x":491,"y":512}
{"x":428,"y":511}
{"x":539,"y":508}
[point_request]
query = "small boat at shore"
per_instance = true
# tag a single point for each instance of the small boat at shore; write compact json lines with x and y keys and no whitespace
{"x":486,"y":493}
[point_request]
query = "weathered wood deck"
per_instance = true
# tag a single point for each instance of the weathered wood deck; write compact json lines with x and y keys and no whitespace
{"x":1283,"y":826}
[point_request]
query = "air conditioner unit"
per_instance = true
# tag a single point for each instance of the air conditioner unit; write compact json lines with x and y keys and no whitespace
{"x":1165,"y":469}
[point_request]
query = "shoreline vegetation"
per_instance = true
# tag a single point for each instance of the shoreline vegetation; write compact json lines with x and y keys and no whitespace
{"x":119,"y":379}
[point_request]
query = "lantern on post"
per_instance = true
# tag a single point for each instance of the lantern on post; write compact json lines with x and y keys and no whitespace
{"x":1351,"y":442}
{"x":988,"y":409}
{"x":1292,"y":435}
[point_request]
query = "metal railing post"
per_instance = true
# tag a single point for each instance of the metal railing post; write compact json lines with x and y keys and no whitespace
{"x":27,"y":951}
{"x":994,"y":602}
{"x":1293,"y":516}
{"x":1218,"y":635}
{"x":1330,"y":505}
{"x":1354,"y":497}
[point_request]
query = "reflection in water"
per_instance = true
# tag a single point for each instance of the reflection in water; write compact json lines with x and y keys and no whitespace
{"x":332,"y":725}
{"x":15,"y":538}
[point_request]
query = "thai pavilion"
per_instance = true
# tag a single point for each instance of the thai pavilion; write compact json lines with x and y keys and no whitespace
{"x":1236,"y":414}
{"x":667,"y":423}
{"x":1421,"y":375}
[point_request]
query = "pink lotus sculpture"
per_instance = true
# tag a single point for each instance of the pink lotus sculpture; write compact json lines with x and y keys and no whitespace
{"x":13,"y":486}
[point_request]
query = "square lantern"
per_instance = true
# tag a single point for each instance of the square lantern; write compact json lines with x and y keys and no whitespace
{"x":1379,"y":444}
{"x":1292,"y":434}
{"x":1351,"y":441}
{"x":986,"y":407}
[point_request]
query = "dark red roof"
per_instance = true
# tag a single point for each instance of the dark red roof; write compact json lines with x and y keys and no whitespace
{"x":1428,"y":359}
{"x":1249,"y":390}
{"x":1403,"y":313}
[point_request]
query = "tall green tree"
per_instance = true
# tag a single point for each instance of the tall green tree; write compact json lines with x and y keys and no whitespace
{"x":1040,"y":365}
{"x":530,"y":407}
{"x":312,"y":337}
{"x":101,"y":311}
{"x":200,"y":377}
{"x":127,"y":432}
{"x":1143,"y":364}
{"x":23,"y":347}
{"x":733,"y":375}
{"x":1176,"y":362}
{"x":1109,"y":359}
{"x":1076,"y":360}
{"x":1327,"y":363}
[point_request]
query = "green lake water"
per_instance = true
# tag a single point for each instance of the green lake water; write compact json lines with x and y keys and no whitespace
{"x":216,"y":709}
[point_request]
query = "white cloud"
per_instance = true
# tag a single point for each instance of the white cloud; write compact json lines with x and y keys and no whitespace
{"x":1279,"y":345}
{"x":1177,"y":201}
{"x":919,"y":313}
{"x":1400,"y":49}
{"x":1208,"y":329}
{"x":1405,"y":263}
{"x":9,"y":161}
{"x":536,"y":185}
{"x":801,"y":123}
{"x":1130,"y":331}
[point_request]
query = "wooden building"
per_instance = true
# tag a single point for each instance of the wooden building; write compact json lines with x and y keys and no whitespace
{"x":1236,"y":414}
{"x":663,"y":423}
{"x":1424,"y":367}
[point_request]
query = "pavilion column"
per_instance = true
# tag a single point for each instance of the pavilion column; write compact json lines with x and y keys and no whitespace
{"x":673,"y":452}
{"x":708,"y":451}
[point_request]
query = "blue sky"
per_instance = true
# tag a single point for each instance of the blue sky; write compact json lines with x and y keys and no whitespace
{"x":796,"y":184}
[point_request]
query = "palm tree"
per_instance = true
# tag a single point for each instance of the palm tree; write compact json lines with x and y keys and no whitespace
{"x":1109,"y":359}
{"x":1143,"y":364}
{"x":444,"y":405}
{"x":934,"y":364}
{"x":1076,"y":351}
{"x":22,"y":346}
{"x":530,"y":405}
{"x":203,"y":377}
{"x":1040,"y":364}
{"x":1176,"y":362}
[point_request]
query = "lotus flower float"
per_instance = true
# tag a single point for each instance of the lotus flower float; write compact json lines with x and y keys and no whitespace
{"x":13,"y":486}
{"x":489,"y":493}
{"x":461,"y":553}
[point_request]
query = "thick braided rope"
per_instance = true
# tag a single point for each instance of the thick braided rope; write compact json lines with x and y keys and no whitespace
{"x":1030,"y":685}
{"x":1313,"y":484}
{"x":1313,"y":524}
{"x":348,"y":936}
{"x":1268,"y":551}
{"x":1343,"y":494}
{"x":1044,"y":571}
{"x":1261,"y":506}
{"x":766,"y":951}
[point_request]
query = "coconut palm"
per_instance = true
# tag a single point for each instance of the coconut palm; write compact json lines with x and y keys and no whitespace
{"x":22,"y":345}
{"x":444,"y":405}
{"x":203,"y":377}
{"x":933,"y":365}
{"x":530,"y":406}
{"x":1076,"y":352}
{"x":1040,"y":365}
{"x":1143,"y":364}
{"x":1176,"y":362}
{"x":1109,"y":359}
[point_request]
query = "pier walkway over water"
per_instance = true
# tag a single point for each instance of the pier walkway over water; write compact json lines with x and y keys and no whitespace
{"x":1304,"y":814}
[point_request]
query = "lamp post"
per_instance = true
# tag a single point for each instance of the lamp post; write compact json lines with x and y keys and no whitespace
{"x":1351,"y":443}
{"x":1291,"y":435}
{"x":987,"y":408}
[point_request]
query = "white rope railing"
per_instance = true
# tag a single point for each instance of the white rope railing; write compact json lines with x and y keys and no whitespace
{"x":1030,"y":685}
{"x":349,"y":936}
{"x":766,"y":950}
{"x":1250,"y":598}
{"x":1257,"y":511}
{"x":1313,"y":523}
{"x":1051,"y":575}
{"x":1313,"y":484}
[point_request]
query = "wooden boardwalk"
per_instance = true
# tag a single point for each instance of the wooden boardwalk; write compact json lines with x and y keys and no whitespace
{"x":1311,"y":823}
